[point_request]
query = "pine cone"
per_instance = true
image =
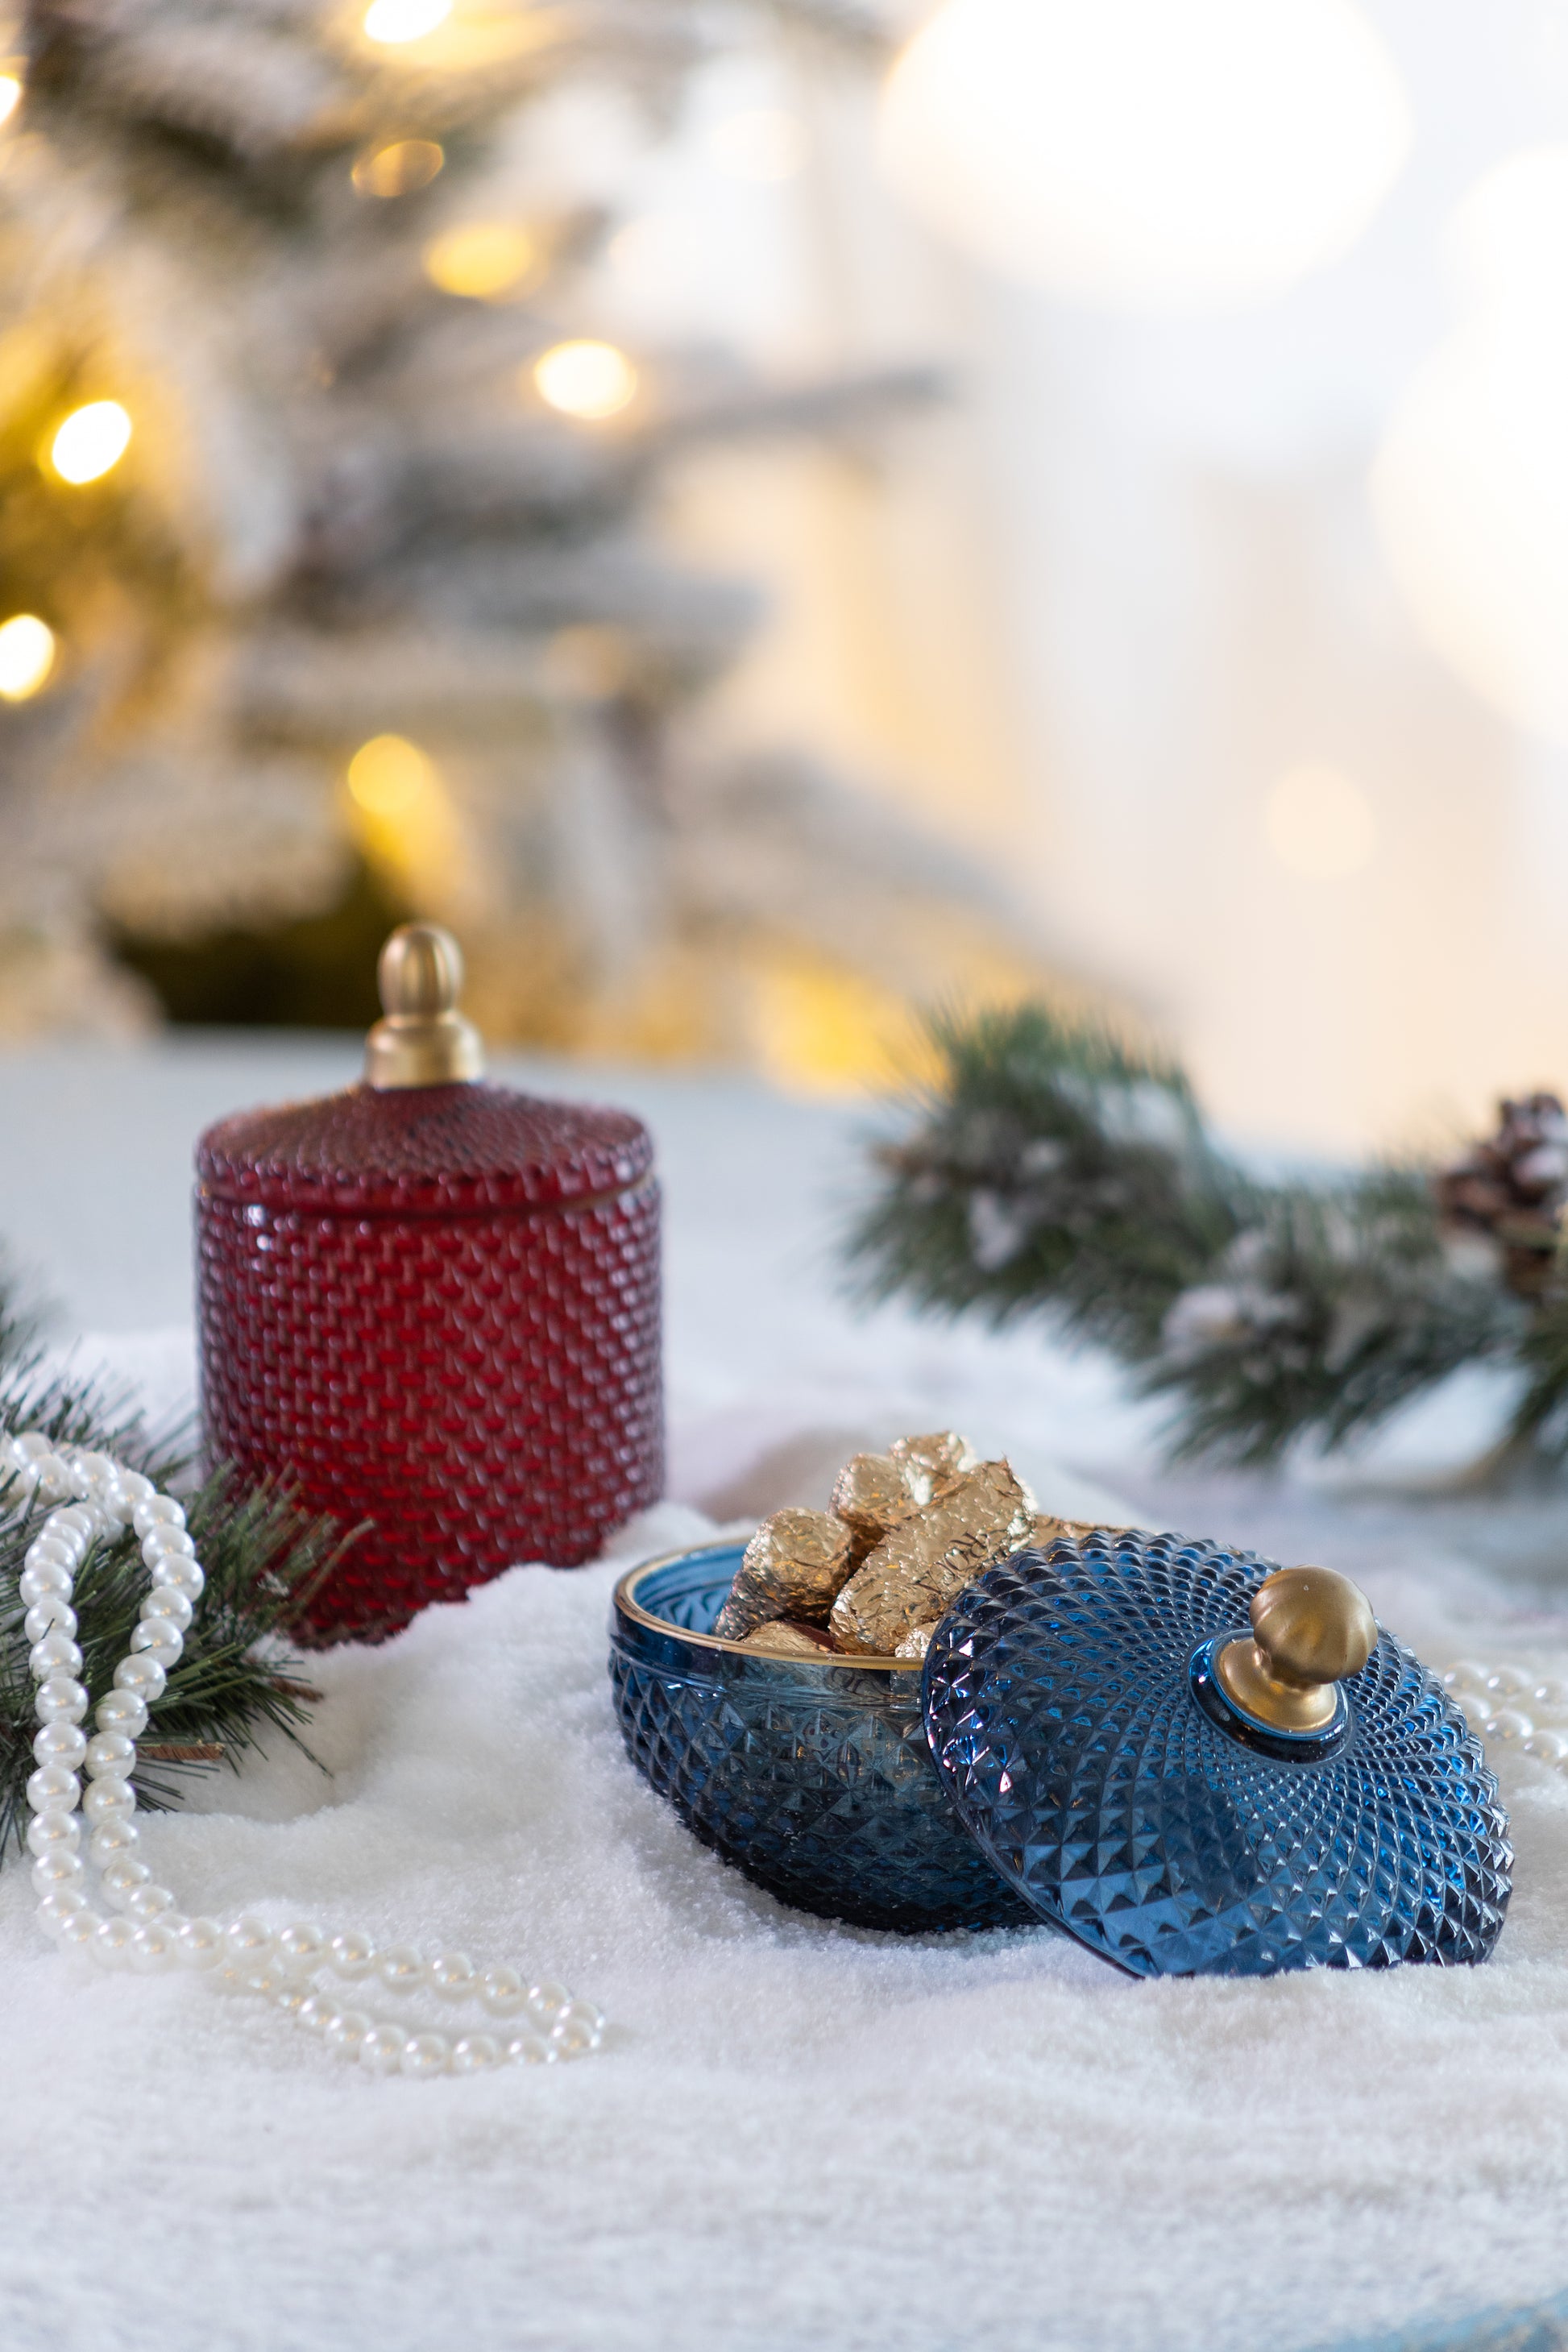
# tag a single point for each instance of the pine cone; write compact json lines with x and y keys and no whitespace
{"x":1513,"y":1187}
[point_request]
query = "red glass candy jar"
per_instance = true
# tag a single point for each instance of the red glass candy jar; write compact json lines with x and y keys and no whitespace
{"x":433,"y":1305}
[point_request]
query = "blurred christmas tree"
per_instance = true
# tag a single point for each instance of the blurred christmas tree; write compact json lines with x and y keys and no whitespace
{"x":322,"y":587}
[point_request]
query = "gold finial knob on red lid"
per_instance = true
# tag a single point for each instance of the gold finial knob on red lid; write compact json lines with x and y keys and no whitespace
{"x":423,"y":1040}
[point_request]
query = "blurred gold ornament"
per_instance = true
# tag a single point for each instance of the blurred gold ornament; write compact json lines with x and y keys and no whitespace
{"x":586,"y":378}
{"x":393,"y":22}
{"x":10,"y":96}
{"x":486,"y":262}
{"x":26,"y":656}
{"x":403,"y":819}
{"x":90,"y":442}
{"x":399,"y":168}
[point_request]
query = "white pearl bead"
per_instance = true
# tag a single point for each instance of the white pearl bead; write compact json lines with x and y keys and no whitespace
{"x":401,"y":1969}
{"x":315,"y":2012}
{"x":53,"y":1789}
{"x":201,"y":1944}
{"x":381,"y":2048}
{"x":528,"y":2049}
{"x":74,"y":1523}
{"x":1506,"y":1680}
{"x":164,"y":1606}
{"x":151,"y":1947}
{"x":1475,"y":1705}
{"x":111,"y":1947}
{"x":57,"y":1547}
{"x":28,"y":1444}
{"x":348,"y":2030}
{"x":46,"y":1576}
{"x":502,"y":1991}
{"x":352,"y":1955}
{"x":157,"y":1511}
{"x":166,"y":1542}
{"x":174,"y":1574}
{"x":1466,"y":1674}
{"x":579,"y":2027}
{"x":302,"y":1943}
{"x":1551,"y":1747}
{"x":79,"y":1930}
{"x":56,"y":1653}
{"x":66,"y":1902}
{"x":121,"y":1712}
{"x":546,"y":2002}
{"x":53,"y":1871}
{"x":452,"y":1975}
{"x":290,"y":1996}
{"x":475,"y":2052}
{"x":111,"y":1757}
{"x":247,"y":1940}
{"x":149,"y":1902}
{"x":1509,"y":1725}
{"x":135,"y":1487}
{"x":108,"y":1799}
{"x":60,"y":1699}
{"x":156,"y":1638}
{"x":53,"y":1833}
{"x":143,"y":1675}
{"x":121,"y":1878}
{"x":112,"y":1841}
{"x":53,"y":1613}
{"x":425,"y":2054}
{"x":60,"y":1743}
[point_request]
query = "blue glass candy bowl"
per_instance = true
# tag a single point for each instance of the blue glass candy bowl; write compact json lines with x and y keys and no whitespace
{"x":1083,"y":1747}
{"x":817,"y":1780}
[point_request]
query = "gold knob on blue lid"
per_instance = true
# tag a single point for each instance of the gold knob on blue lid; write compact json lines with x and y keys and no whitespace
{"x":1311,"y":1628}
{"x":423,"y":1040}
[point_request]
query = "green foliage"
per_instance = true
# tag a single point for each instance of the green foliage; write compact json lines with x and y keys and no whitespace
{"x":1052,"y":1170}
{"x":237,"y":1679}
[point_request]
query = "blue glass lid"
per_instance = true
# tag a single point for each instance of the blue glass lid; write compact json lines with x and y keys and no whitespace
{"x":1089,"y":1718}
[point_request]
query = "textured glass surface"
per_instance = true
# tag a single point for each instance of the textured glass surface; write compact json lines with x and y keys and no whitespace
{"x":1063,"y":1718}
{"x":815,"y":1781}
{"x":421,"y":1309}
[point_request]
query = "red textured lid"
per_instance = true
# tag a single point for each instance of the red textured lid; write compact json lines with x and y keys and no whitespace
{"x":439,"y":1149}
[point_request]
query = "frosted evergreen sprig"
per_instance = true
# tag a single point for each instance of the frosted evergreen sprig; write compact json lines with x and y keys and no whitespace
{"x":1052,"y":1170}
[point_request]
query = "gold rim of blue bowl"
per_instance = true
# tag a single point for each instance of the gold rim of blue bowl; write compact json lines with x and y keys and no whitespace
{"x":830,"y":1661}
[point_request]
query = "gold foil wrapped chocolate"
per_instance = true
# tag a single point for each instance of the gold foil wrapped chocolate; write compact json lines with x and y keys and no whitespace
{"x":780,"y":1638}
{"x":916,"y":1572}
{"x":931,"y":1464}
{"x":872,"y":1495}
{"x":793,"y":1567}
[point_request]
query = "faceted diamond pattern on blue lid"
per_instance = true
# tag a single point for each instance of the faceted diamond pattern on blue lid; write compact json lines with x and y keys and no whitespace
{"x":1060,"y":1711}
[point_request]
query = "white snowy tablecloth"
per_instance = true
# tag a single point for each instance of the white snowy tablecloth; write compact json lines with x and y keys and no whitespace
{"x":798,"y":2136}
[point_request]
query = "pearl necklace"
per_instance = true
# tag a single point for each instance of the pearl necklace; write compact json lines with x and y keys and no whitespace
{"x":92,"y":1496}
{"x":1512,"y":1705}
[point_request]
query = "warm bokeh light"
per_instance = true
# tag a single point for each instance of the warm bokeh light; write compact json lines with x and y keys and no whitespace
{"x":585,"y":379}
{"x":1470,"y":486}
{"x":1319,"y":824}
{"x":404,"y":821}
{"x":399,"y":168}
{"x":487,"y":261}
{"x":394,"y":22}
{"x":26,"y":656}
{"x":388,"y":774}
{"x":1159,"y":154}
{"x":10,"y":96}
{"x":759,"y":143}
{"x":90,"y":441}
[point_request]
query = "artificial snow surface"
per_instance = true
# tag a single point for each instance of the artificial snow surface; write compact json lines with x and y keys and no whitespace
{"x":797,"y":2136}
